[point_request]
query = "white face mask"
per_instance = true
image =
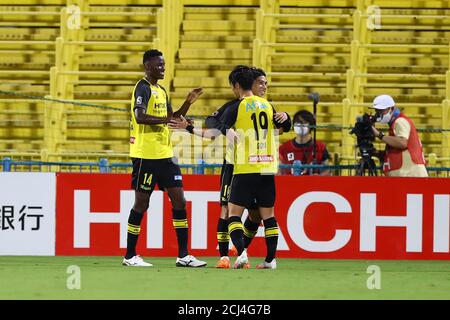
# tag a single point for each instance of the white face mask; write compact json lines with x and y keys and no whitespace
{"x":301,"y":130}
{"x":386,"y":118}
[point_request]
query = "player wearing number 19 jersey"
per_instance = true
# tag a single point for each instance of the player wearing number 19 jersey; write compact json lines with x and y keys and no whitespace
{"x":251,"y":225}
{"x":250,"y":124}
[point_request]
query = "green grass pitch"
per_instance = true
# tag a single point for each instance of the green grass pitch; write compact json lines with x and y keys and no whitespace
{"x":105,"y":278}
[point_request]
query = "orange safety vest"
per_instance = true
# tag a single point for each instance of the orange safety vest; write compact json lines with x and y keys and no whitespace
{"x":393,"y":158}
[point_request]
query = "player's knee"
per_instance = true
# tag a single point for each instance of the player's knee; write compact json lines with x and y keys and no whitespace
{"x":224,"y":212}
{"x":140,"y":207}
{"x":179,"y":203}
{"x":254,"y":216}
{"x":255,"y":219}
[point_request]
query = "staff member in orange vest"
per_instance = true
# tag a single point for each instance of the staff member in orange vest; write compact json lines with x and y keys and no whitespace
{"x":404,"y":155}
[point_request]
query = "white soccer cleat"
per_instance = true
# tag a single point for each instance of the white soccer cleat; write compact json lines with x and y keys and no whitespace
{"x":136,"y":261}
{"x":190,"y":261}
{"x":267,"y":265}
{"x":241,"y":261}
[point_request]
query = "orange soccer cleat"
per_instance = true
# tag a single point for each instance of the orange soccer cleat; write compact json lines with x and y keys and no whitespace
{"x":223,"y":263}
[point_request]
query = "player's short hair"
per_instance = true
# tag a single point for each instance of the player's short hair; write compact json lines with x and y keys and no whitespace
{"x":258,"y":72}
{"x":305,"y":115}
{"x":149,"y":54}
{"x":244,"y":76}
{"x":231,"y":77}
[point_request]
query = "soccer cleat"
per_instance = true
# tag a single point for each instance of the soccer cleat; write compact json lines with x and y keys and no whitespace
{"x":247,"y":265}
{"x":267,"y":265}
{"x":223,"y":263}
{"x":136,"y":261}
{"x":241,"y":261}
{"x":233,"y":251}
{"x":190,"y":261}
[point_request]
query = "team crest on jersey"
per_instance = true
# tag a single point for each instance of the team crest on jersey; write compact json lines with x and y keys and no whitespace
{"x":290,"y":156}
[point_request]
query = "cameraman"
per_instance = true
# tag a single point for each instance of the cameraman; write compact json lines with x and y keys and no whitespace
{"x":404,"y":155}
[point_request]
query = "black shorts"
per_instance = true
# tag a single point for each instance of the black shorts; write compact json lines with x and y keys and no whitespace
{"x":246,"y":188}
{"x":226,"y":174}
{"x":149,"y":172}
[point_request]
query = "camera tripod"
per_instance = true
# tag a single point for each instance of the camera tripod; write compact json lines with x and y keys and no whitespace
{"x":366,"y":163}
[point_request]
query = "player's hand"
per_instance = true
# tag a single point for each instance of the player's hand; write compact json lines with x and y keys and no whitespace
{"x":280,"y":117}
{"x":193,"y":95}
{"x":178,"y":123}
{"x":232,"y":136}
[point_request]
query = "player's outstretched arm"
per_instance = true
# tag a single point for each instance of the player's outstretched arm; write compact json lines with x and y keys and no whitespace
{"x":190,"y":99}
{"x":214,"y":120}
{"x":182,"y":123}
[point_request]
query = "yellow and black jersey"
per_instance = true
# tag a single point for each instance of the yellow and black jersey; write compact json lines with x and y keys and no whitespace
{"x":214,"y":121}
{"x":253,"y":119}
{"x":150,"y":141}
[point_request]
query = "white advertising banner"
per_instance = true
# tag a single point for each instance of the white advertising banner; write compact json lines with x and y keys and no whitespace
{"x":27,"y":213}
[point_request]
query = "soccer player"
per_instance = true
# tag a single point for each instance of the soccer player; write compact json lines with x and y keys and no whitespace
{"x":151,"y":153}
{"x":255,"y":162}
{"x":253,"y":220}
{"x":251,"y":225}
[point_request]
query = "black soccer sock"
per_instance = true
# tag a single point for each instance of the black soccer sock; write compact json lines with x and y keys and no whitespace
{"x":250,"y":230}
{"x":181,"y":228}
{"x":222,"y":236}
{"x":134,"y":228}
{"x":236,"y":233}
{"x":271,"y":235}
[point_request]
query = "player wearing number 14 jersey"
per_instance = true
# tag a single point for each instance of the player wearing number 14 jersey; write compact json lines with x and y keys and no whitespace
{"x":151,"y":153}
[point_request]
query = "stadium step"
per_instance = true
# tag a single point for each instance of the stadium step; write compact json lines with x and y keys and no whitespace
{"x":214,"y":54}
{"x":219,"y":13}
{"x":205,"y":82}
{"x":232,"y":27}
{"x":17,"y":56}
{"x":120,"y":34}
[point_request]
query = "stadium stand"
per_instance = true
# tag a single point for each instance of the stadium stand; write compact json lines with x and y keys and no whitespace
{"x":27,"y":51}
{"x":213,"y":40}
{"x":409,"y":57}
{"x":348,"y":51}
{"x":307,"y":51}
{"x":109,"y":54}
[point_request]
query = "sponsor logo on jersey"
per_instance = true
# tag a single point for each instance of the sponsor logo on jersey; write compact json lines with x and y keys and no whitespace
{"x":260,"y":158}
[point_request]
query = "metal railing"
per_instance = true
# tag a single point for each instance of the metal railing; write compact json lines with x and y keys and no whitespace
{"x":201,"y":168}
